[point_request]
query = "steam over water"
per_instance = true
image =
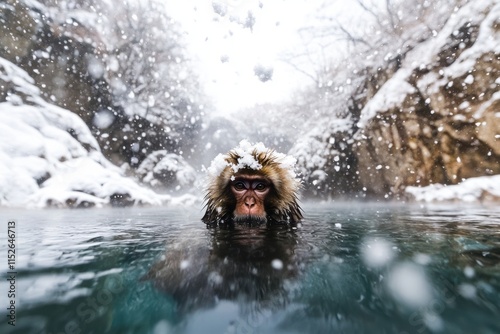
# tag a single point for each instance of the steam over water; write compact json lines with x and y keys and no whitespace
{"x":360,"y":268}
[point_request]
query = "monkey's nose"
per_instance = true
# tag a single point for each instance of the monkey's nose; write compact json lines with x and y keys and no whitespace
{"x":249,"y":202}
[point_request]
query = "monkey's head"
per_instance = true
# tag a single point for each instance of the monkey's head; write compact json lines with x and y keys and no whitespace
{"x":252,"y":184}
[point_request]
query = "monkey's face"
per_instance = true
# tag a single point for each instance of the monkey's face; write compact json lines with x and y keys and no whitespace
{"x":252,"y":184}
{"x":250,"y":192}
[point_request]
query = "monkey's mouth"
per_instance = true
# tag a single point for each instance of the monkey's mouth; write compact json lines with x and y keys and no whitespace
{"x":250,"y":219}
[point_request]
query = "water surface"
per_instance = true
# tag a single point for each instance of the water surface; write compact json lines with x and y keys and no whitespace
{"x":348,"y":268}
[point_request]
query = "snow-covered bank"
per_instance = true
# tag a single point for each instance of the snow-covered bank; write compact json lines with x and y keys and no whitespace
{"x":49,"y":158}
{"x":484,"y":188}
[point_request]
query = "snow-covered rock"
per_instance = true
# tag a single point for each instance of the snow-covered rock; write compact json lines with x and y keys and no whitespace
{"x":122,"y":69}
{"x":49,"y":158}
{"x":484,"y":188}
{"x":324,"y":159}
{"x":167,"y":170}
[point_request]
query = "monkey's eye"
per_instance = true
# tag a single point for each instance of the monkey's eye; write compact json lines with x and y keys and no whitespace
{"x":239,"y":185}
{"x":261,"y":186}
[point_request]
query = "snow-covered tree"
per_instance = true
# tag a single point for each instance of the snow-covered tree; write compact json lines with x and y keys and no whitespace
{"x":151,"y":80}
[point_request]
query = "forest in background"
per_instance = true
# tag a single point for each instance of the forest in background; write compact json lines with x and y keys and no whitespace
{"x":412,"y":101}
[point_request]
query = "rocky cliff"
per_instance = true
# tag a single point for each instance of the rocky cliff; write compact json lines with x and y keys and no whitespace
{"x":437,"y":120}
{"x":431,"y":117}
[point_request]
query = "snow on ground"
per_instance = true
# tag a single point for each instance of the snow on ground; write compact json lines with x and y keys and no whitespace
{"x":471,"y":190}
{"x":49,"y":158}
{"x":41,"y":164}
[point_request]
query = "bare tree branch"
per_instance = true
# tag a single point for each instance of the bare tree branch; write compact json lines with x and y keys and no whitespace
{"x":299,"y":69}
{"x":351,"y":37}
{"x":390,"y":14}
{"x":375,"y":15}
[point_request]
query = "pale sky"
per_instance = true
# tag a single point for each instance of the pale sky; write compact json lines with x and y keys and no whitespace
{"x":226,"y":52}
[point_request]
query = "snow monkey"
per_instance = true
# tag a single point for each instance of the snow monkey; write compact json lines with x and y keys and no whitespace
{"x":252,"y":184}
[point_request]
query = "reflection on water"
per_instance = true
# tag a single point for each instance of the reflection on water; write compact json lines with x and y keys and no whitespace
{"x":244,"y":263}
{"x":347,"y":268}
